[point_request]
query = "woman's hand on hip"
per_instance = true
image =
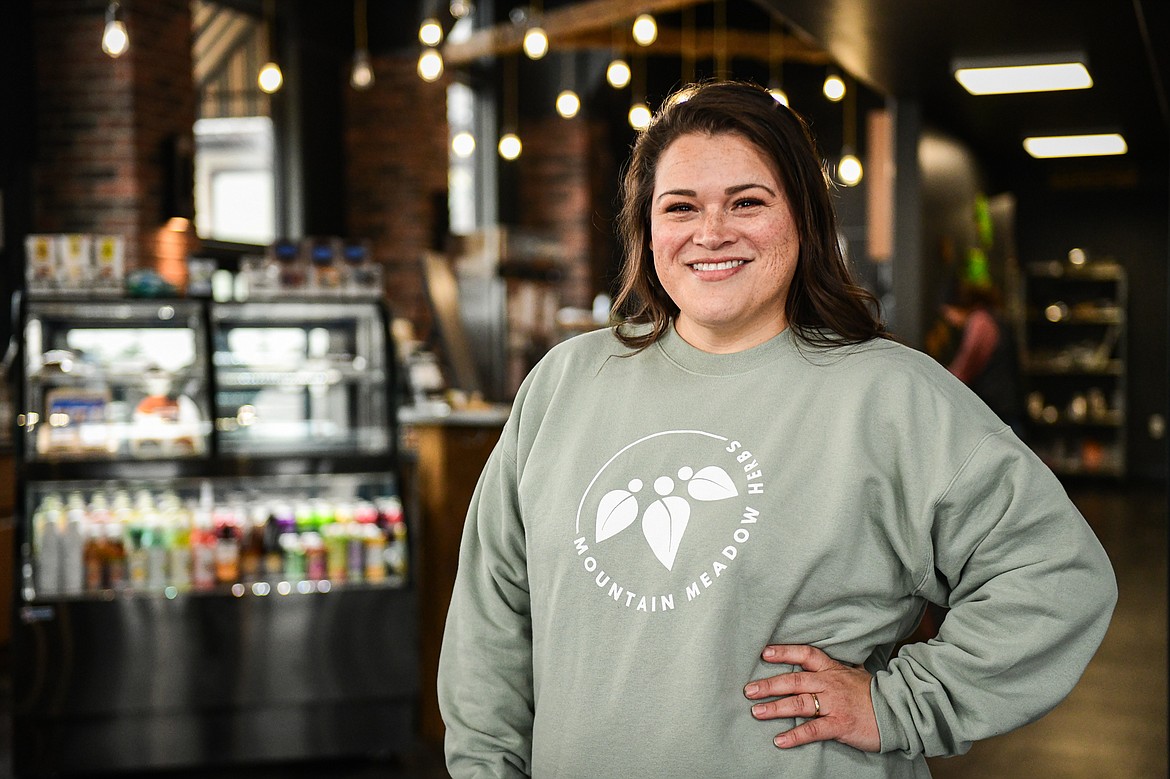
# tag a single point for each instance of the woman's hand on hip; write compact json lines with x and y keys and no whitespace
{"x":832,"y":697}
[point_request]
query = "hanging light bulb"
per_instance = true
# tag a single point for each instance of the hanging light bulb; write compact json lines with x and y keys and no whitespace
{"x":463,"y":144}
{"x":430,"y":32}
{"x":271,"y":78}
{"x":535,"y":43}
{"x":115,"y":39}
{"x":510,"y":146}
{"x":568,"y":104}
{"x":430,"y":65}
{"x":639,"y":116}
{"x":618,"y":73}
{"x":645,"y":30}
{"x":461,"y":8}
{"x":849,"y":170}
{"x":834,"y":87}
{"x":362,"y":74}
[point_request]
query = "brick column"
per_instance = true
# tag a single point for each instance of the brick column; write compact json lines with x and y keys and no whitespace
{"x":102,"y":124}
{"x":396,"y":174}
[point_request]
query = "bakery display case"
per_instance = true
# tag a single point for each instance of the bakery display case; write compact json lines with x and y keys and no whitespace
{"x":214,"y":565}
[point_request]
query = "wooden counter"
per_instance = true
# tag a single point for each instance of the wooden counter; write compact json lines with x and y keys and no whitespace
{"x":449,"y":454}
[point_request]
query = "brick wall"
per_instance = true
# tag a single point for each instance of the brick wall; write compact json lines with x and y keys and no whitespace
{"x":556,"y":199}
{"x":101,"y":123}
{"x":396,"y":177}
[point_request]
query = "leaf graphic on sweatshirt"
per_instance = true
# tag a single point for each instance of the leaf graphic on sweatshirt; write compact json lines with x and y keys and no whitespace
{"x":711,"y":483}
{"x":663,"y":524}
{"x":617,"y":510}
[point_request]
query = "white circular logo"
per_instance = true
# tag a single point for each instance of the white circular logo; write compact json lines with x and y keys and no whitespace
{"x":665,"y":518}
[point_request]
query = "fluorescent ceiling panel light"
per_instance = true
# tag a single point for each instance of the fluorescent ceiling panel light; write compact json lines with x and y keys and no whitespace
{"x":1044,"y":147}
{"x":1011,"y":79}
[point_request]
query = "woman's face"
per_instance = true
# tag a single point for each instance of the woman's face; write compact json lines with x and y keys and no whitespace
{"x":724,"y":241}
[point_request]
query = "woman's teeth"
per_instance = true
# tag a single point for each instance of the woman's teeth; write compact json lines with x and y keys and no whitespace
{"x":725,"y":265}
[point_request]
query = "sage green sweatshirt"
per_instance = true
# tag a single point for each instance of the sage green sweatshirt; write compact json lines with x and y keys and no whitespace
{"x":649,"y":522}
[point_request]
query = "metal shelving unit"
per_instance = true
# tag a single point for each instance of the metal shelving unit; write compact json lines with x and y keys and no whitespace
{"x":1072,"y":333}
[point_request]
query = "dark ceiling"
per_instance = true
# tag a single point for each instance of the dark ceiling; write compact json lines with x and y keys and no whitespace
{"x":905,"y":48}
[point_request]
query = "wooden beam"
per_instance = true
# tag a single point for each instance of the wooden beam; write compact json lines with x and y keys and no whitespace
{"x":560,"y":24}
{"x":740,"y":43}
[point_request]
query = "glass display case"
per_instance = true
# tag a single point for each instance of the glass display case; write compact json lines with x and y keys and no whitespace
{"x":209,"y":505}
{"x":115,"y":381}
{"x":311,"y":379}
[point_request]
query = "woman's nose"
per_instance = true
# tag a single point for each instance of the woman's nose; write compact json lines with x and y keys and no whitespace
{"x":713,"y":230}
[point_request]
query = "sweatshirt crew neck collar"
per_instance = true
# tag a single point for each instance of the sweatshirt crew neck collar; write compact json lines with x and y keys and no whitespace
{"x":698,"y":361}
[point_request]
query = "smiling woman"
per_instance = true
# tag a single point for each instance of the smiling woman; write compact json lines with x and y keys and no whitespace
{"x":714,"y":580}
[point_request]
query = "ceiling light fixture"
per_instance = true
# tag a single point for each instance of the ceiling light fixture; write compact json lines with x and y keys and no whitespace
{"x":509,"y":145}
{"x":568,"y":102}
{"x":776,"y":63}
{"x":115,"y":39}
{"x":270,"y":78}
{"x":361,"y":76}
{"x":1000,"y":76}
{"x":1094,"y":145}
{"x":535,"y":38}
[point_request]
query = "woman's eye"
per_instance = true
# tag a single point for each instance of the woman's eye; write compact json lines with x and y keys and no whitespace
{"x":748,"y":202}
{"x":674,"y":208}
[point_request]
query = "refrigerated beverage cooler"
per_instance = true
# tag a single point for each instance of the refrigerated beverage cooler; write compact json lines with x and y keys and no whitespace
{"x":214,"y":564}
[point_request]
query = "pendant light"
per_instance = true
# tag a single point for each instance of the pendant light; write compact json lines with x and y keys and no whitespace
{"x":535,"y":38}
{"x":430,"y":61}
{"x":509,"y":145}
{"x":639,"y":116}
{"x":271,"y":78}
{"x":115,"y":39}
{"x":776,"y":63}
{"x":849,"y":168}
{"x":618,"y":71}
{"x":362,"y":74}
{"x":568,"y":102}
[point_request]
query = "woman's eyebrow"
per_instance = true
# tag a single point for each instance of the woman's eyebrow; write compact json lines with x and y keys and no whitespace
{"x":729,"y":191}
